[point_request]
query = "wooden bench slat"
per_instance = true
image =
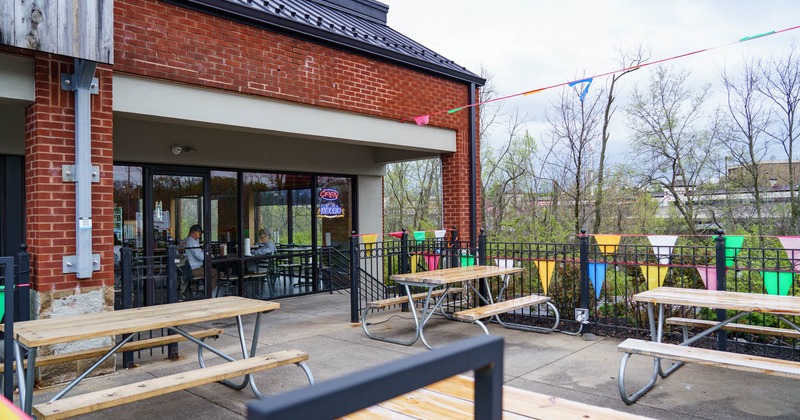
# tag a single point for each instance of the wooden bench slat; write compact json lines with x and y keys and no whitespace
{"x":453,"y":398}
{"x":497,"y":308}
{"x":416,"y":296}
{"x":745,"y":328}
{"x":708,"y":357}
{"x":131,"y":346}
{"x":98,"y":400}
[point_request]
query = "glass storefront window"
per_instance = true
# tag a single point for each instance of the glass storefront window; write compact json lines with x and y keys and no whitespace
{"x":224,"y":230}
{"x":128,"y":206}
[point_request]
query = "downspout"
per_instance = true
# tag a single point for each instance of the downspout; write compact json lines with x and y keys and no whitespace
{"x":473,"y":167}
{"x":82,"y":173}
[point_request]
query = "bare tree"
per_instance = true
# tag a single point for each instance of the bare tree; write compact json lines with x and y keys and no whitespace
{"x":781,"y":76}
{"x":628,"y":60}
{"x":744,"y":136}
{"x":670,"y":147}
{"x":574,"y":128}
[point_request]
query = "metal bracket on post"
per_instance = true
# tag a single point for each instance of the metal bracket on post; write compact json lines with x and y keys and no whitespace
{"x":70,"y":263}
{"x":68,"y":83}
{"x":83,"y":174}
{"x":68,"y":173}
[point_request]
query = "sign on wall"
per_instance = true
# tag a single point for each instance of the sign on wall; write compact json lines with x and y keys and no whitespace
{"x":81,"y":29}
{"x":329,"y":205}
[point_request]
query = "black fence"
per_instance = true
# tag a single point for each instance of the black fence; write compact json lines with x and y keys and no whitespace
{"x":592,"y":279}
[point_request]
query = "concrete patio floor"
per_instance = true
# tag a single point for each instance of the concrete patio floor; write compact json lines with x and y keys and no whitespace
{"x":555,"y":364}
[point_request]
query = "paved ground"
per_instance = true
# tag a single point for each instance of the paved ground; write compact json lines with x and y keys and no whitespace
{"x":556,"y":364}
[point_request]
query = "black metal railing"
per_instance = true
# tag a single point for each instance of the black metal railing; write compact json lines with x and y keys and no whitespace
{"x":592,"y":282}
{"x":335,"y":398}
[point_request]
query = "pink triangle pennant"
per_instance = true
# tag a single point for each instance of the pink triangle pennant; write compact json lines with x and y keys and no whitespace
{"x":709,"y":275}
{"x":422,"y":119}
{"x":792,"y":246}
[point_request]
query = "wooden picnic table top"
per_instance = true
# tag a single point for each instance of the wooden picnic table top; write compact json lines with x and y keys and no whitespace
{"x":48,"y":331}
{"x":454,"y":275}
{"x":749,"y":302}
{"x":453,"y":398}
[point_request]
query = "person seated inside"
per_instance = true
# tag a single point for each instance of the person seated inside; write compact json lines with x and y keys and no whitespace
{"x":195,"y":259}
{"x":265,"y":247}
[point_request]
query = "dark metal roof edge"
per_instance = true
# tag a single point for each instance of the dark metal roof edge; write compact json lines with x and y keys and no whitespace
{"x":247,"y":15}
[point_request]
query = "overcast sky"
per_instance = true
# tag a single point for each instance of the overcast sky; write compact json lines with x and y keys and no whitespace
{"x":529,"y":44}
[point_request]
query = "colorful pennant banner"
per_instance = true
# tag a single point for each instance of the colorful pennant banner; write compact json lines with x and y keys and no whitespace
{"x":369,"y":242}
{"x":505,"y":263}
{"x":545,"y":268}
{"x":654,"y":274}
{"x":608,"y":243}
{"x":662,"y":246}
{"x":708,"y":273}
{"x":597,"y":274}
{"x":432,"y":260}
{"x":425,"y":119}
{"x":419,"y":235}
{"x":792,"y":246}
{"x":732,"y":245}
{"x":777,"y":283}
{"x":439,"y":233}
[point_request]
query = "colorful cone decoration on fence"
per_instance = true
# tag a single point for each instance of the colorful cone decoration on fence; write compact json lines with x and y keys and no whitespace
{"x":662,"y":246}
{"x":419,"y":235}
{"x":732,"y":245}
{"x":467,"y":260}
{"x":398,"y":234}
{"x":608,"y":243}
{"x":597,"y":274}
{"x":777,"y":283}
{"x":432,"y":260}
{"x":505,"y":263}
{"x":792,"y":246}
{"x":369,"y":243}
{"x":654,"y":274}
{"x":545,"y":272}
{"x":708,"y":273}
{"x":414,"y":262}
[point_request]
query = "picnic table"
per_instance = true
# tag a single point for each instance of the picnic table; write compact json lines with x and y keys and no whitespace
{"x":438,"y":286}
{"x":31,"y":335}
{"x":745,"y":303}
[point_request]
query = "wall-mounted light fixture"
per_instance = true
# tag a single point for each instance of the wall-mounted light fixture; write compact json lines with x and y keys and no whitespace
{"x":176,"y":150}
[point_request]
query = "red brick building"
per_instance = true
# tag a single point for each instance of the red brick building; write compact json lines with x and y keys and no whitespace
{"x":231,"y":114}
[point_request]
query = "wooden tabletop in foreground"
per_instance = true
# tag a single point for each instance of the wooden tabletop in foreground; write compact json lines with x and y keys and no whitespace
{"x":751,"y":302}
{"x":454,"y":275}
{"x":453,"y":398}
{"x":47,"y":331}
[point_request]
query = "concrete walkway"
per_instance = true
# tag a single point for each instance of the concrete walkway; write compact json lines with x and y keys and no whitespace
{"x":555,"y":364}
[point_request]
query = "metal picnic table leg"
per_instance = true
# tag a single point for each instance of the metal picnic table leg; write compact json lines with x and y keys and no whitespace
{"x":426,"y":313}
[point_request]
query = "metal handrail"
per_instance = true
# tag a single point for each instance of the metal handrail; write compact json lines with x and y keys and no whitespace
{"x":345,"y":395}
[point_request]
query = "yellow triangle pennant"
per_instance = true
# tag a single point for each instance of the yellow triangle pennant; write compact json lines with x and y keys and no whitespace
{"x":545,"y":272}
{"x":369,"y":243}
{"x":414,"y":262}
{"x":608,"y":243}
{"x":654,"y":274}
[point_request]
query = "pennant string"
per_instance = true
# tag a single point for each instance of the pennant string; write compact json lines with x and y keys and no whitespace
{"x":419,"y":119}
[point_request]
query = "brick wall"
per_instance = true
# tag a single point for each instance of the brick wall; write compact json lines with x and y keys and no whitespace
{"x":164,"y":41}
{"x":50,"y":202}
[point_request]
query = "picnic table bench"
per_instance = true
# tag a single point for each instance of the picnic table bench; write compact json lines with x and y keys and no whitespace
{"x":745,"y":303}
{"x":31,"y":335}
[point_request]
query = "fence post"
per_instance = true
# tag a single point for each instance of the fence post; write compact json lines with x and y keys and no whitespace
{"x":355,"y":281}
{"x":454,"y":247}
{"x":405,"y":266}
{"x":126,"y":269}
{"x":8,"y":327}
{"x":583,"y":317}
{"x":172,"y":291}
{"x":22,"y":291}
{"x":722,"y":270}
{"x":482,"y":260}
